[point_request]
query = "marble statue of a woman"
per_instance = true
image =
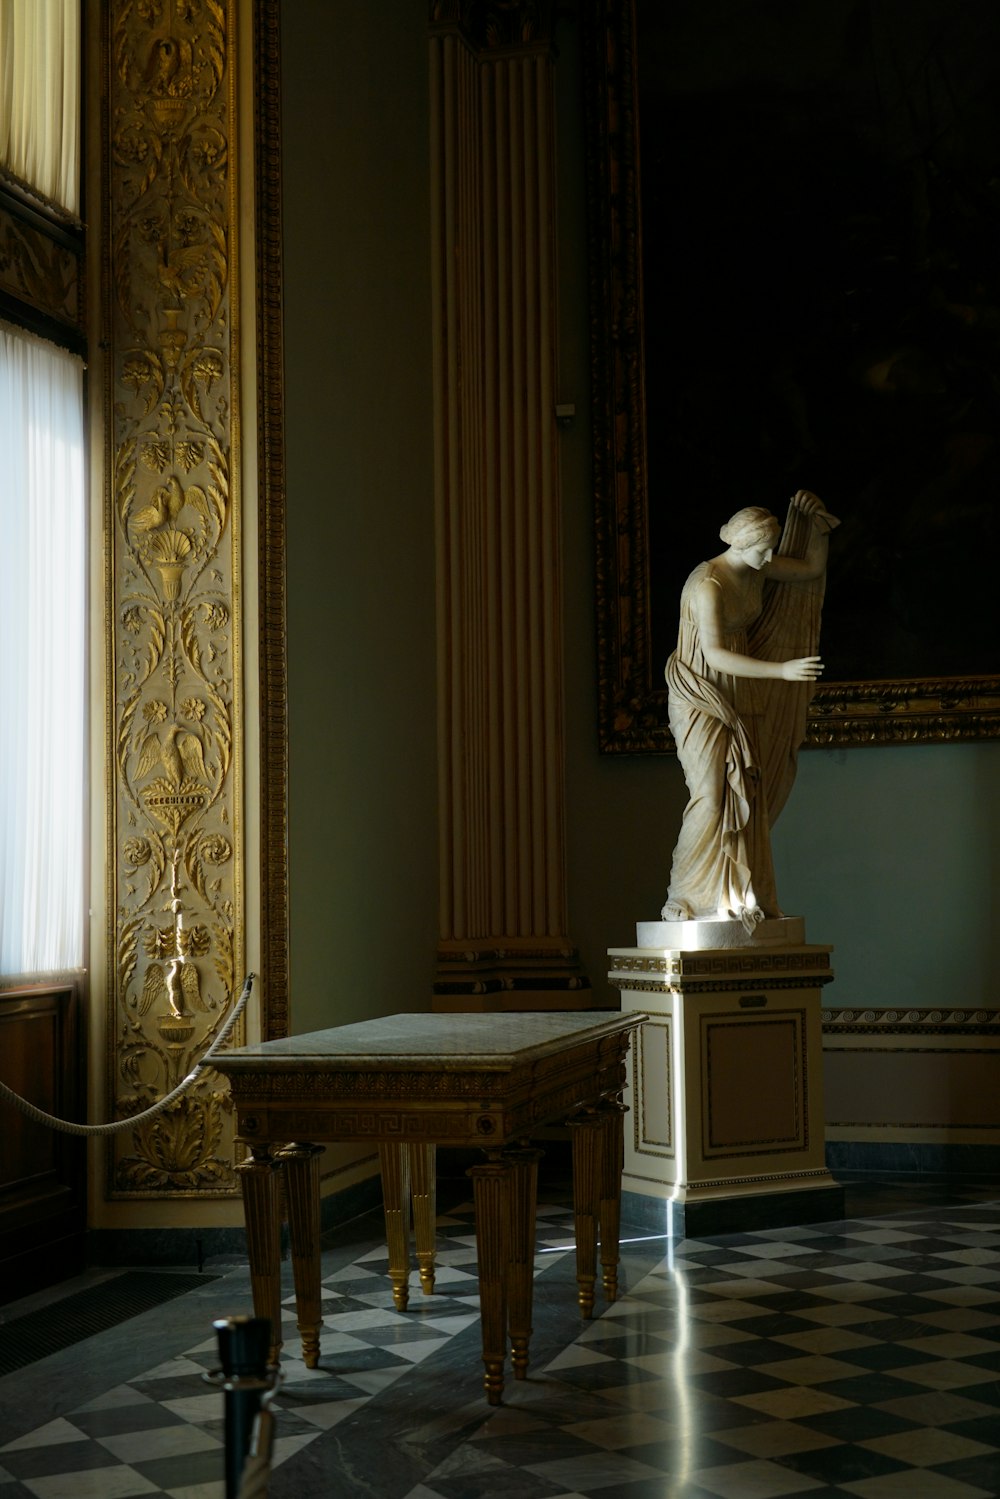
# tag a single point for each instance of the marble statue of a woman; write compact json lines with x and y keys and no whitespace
{"x":737,"y":703}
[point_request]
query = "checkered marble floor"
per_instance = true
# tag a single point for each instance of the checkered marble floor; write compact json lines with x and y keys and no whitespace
{"x":852,"y":1358}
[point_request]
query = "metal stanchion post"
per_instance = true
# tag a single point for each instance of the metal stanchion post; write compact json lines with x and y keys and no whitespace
{"x":245,"y":1380}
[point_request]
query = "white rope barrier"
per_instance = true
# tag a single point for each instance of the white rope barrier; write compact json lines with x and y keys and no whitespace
{"x":68,"y":1127}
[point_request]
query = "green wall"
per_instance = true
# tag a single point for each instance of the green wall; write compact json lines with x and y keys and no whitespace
{"x":362,"y":829}
{"x":889,"y":853}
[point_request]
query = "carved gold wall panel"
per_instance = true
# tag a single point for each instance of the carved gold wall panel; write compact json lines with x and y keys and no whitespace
{"x":173,"y":568}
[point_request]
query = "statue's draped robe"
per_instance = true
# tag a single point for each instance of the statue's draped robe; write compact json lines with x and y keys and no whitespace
{"x":737,"y":739}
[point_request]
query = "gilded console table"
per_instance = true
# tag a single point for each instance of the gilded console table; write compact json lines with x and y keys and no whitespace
{"x":408,"y":1083}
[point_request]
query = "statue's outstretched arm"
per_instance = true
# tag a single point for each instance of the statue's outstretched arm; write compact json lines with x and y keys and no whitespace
{"x":707,"y":605}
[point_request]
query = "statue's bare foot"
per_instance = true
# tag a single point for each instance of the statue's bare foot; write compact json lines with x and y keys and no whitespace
{"x":674,"y":911}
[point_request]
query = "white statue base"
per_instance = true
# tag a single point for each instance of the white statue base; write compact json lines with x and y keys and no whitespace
{"x":696,"y":936}
{"x":726,"y":1129}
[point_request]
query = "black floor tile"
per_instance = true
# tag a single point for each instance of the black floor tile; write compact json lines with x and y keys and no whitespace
{"x":982,"y":1472}
{"x":844,"y":1464}
{"x":858,"y":1423}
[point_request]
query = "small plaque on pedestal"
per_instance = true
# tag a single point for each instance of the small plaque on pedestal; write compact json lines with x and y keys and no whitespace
{"x":726,"y":1130}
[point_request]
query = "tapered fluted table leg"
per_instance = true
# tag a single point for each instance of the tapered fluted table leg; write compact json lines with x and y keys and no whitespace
{"x":423,"y":1188}
{"x":396,"y":1200}
{"x":587,"y":1131}
{"x":301,"y":1167}
{"x":612,"y":1159}
{"x":523,"y":1196}
{"x":491,"y":1194}
{"x":258,"y":1176}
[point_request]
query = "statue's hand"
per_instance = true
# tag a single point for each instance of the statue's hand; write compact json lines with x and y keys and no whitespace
{"x":810,"y":504}
{"x":802,"y":669}
{"x":806,"y":501}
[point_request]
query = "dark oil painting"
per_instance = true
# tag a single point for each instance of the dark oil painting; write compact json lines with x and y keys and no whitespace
{"x":818,"y":218}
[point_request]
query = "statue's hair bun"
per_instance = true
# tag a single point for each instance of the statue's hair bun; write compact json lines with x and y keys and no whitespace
{"x":750,"y":526}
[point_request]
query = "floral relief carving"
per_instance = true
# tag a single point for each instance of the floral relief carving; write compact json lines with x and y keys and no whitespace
{"x":174,"y":554}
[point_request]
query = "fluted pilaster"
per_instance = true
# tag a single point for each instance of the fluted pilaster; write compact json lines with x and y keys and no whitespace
{"x":503,"y":916}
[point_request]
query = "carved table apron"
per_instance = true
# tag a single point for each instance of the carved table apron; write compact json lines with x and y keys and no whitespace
{"x":408,"y":1083}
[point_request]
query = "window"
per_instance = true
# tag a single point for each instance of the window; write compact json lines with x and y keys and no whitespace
{"x":43,"y":631}
{"x":40,"y":97}
{"x":43,"y":546}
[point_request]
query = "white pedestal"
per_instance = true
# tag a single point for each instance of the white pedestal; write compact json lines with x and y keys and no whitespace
{"x":726,"y":1087}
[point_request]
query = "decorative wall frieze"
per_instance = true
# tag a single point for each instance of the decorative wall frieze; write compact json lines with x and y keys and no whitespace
{"x":921,"y":1021}
{"x":927,"y":1074}
{"x":174,"y":608}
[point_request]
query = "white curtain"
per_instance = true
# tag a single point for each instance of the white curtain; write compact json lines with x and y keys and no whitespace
{"x":40,"y":96}
{"x":42,"y":656}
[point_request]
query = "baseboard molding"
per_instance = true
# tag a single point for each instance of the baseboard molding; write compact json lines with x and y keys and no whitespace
{"x":117,"y":1248}
{"x":729,"y":1215}
{"x":913,"y":1158}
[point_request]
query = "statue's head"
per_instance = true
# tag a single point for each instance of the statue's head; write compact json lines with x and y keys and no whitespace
{"x":751,"y":527}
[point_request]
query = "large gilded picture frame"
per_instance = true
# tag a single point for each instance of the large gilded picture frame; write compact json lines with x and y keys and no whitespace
{"x":786,"y":295}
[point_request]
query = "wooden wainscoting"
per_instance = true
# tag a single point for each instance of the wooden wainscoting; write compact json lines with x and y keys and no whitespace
{"x":43,"y":1174}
